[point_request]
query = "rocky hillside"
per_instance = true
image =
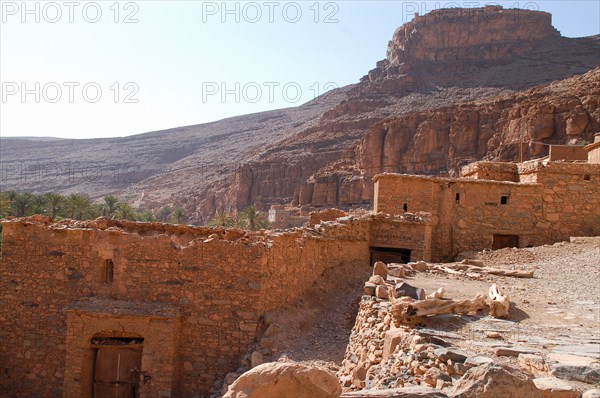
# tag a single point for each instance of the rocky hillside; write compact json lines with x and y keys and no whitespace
{"x":507,"y":127}
{"x":450,"y":86}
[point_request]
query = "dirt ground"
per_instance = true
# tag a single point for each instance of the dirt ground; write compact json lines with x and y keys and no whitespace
{"x":556,"y":311}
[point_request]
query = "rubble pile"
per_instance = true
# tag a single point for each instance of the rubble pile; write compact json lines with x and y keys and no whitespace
{"x":390,"y":349}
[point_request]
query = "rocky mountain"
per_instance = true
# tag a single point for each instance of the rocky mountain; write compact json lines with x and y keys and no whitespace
{"x":518,"y":126}
{"x":457,"y":85}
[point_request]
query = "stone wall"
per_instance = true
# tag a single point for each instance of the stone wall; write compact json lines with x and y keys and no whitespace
{"x":211,"y":286}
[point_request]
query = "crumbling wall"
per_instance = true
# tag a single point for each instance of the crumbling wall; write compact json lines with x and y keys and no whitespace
{"x":497,"y":171}
{"x":409,"y":231}
{"x":297,"y":258}
{"x":215,"y":283}
{"x":221,"y":282}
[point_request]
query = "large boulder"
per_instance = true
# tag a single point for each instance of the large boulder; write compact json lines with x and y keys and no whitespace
{"x":495,"y":381}
{"x":284,"y":379}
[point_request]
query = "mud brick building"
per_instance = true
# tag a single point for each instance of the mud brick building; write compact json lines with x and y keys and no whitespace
{"x":495,"y":205}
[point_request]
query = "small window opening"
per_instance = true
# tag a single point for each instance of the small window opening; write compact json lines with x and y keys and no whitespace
{"x":504,"y":200}
{"x":405,"y":207}
{"x":109,"y":269}
{"x":586,"y":177}
{"x":457,"y":197}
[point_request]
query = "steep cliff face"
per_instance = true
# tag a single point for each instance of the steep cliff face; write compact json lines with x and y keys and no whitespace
{"x":440,"y":141}
{"x":469,"y":34}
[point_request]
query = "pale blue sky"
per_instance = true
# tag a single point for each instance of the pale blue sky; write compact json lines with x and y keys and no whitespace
{"x":178,"y":57}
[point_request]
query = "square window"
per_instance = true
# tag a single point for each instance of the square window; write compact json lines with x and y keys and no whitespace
{"x":504,"y":200}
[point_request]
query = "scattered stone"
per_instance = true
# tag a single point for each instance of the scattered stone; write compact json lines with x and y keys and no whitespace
{"x":377,"y":280}
{"x":379,"y":268}
{"x":405,"y":290}
{"x":284,"y":379}
{"x":370,"y":288}
{"x":514,"y":351}
{"x":584,"y":374}
{"x":551,"y":387}
{"x":381,"y":292}
{"x":433,"y":375}
{"x":397,"y":272}
{"x":477,"y":361}
{"x":438,"y":294}
{"x":419,"y":266}
{"x":533,"y":364}
{"x":493,"y":381}
{"x":476,"y":263}
{"x":454,"y":354}
{"x":493,"y":335}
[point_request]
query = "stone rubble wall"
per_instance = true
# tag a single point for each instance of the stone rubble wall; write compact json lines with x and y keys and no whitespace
{"x":222,"y":282}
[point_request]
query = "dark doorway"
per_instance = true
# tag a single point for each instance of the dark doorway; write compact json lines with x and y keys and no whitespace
{"x":117,"y":367}
{"x":502,"y":241}
{"x":389,"y":255}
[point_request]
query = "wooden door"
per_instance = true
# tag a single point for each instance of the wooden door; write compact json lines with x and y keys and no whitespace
{"x":116,"y":372}
{"x":502,"y":241}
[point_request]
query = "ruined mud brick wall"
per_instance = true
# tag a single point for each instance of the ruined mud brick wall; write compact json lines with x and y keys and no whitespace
{"x":497,"y":171}
{"x":552,"y":202}
{"x":408,"y":231}
{"x":297,"y":258}
{"x":316,"y":217}
{"x":214,"y":284}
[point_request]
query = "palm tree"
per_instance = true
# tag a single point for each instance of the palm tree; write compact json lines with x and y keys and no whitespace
{"x":21,"y":203}
{"x":11,"y":195}
{"x":94,"y":211}
{"x":55,"y":203}
{"x":164,"y":214}
{"x":253,"y":219}
{"x":146,"y":216}
{"x":38,"y":204}
{"x":5,"y":207}
{"x":222,"y":220}
{"x":78,"y":206}
{"x":110,"y":205}
{"x":178,"y":215}
{"x":125,"y":212}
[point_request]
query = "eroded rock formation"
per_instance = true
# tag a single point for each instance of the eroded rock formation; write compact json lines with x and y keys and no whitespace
{"x":512,"y":127}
